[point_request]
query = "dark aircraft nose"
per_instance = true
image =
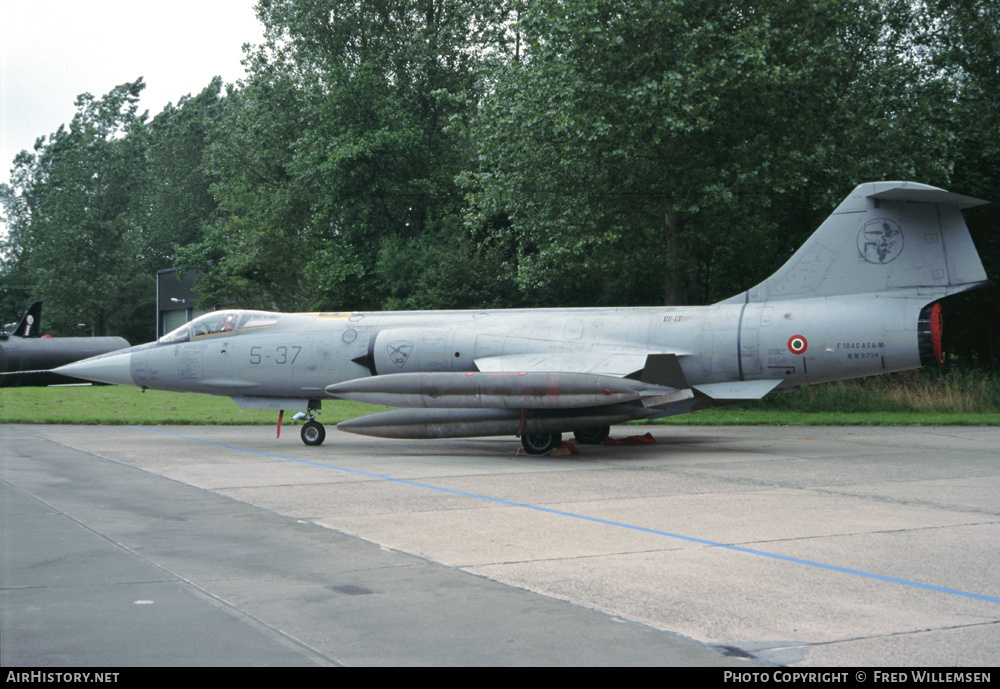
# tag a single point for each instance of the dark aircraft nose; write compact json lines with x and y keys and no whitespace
{"x":114,"y":368}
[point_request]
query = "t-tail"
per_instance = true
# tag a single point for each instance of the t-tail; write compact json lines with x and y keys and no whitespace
{"x":901,"y":238}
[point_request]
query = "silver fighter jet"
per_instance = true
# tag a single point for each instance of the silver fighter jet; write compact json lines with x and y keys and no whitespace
{"x":858,"y":299}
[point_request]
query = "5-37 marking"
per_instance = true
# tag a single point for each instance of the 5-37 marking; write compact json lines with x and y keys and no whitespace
{"x":282,"y":354}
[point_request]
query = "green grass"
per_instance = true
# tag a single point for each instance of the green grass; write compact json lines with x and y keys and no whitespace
{"x":945,"y":390}
{"x":758,"y":417}
{"x":946,"y":396}
{"x":108,"y":404}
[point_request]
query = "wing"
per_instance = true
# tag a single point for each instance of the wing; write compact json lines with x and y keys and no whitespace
{"x":660,"y":368}
{"x":602,"y":363}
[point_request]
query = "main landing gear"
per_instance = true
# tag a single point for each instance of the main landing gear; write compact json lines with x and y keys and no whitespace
{"x":540,"y":443}
{"x":544,"y":443}
{"x":592,"y":436}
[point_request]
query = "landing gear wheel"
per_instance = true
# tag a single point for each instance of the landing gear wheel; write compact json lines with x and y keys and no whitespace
{"x":592,"y":436}
{"x":313,"y":433}
{"x":540,"y":443}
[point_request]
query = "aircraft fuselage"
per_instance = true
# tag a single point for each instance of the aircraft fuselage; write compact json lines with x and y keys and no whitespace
{"x":299,"y":355}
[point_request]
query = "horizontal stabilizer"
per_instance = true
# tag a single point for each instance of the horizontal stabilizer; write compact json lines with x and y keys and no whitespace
{"x":738,"y":390}
{"x":910,"y":192}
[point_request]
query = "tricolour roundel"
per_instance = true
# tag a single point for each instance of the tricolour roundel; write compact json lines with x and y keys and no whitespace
{"x":797,"y":344}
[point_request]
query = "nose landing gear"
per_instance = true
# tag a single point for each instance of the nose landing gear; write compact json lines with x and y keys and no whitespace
{"x":313,"y":433}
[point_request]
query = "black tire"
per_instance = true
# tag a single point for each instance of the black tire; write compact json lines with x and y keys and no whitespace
{"x":592,"y":436}
{"x":313,"y":433}
{"x":540,"y":443}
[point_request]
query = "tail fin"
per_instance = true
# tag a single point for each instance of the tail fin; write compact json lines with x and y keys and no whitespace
{"x":898,"y":237}
{"x":30,"y":322}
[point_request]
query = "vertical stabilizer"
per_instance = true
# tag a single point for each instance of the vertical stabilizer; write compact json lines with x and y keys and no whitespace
{"x":898,"y":237}
{"x":30,"y":322}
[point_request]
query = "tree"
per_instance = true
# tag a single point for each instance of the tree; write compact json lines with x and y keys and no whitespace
{"x":178,"y":201}
{"x":633,"y":141}
{"x":255,"y":245}
{"x":15,"y":284}
{"x":341,"y":151}
{"x":962,"y":40}
{"x":75,"y":233}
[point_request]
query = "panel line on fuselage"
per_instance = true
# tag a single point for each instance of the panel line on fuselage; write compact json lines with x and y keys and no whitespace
{"x":739,"y":341}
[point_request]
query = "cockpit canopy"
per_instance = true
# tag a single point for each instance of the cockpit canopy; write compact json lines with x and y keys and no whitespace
{"x":220,"y":323}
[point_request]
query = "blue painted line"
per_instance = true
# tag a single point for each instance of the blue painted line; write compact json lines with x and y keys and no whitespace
{"x":595,"y":520}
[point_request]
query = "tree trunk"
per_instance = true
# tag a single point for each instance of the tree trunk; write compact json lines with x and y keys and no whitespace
{"x":671,"y":277}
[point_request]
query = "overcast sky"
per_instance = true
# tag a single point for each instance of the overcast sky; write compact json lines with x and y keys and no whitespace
{"x":53,"y":50}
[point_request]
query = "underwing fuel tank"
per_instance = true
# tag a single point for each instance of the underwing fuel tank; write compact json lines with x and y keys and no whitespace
{"x":500,"y":390}
{"x":473,"y":423}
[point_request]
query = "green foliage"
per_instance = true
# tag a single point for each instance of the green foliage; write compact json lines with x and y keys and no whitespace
{"x":950,"y":395}
{"x":178,"y":195}
{"x":74,"y":237}
{"x":638,"y":144}
{"x":100,"y":206}
{"x":255,"y":245}
{"x":337,"y":156}
{"x":432,"y":272}
{"x":950,"y":390}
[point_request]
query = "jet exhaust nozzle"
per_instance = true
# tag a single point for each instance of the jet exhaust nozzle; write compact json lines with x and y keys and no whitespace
{"x":930,"y":328}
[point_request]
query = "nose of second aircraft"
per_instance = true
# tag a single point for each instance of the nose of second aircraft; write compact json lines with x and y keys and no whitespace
{"x":114,"y":368}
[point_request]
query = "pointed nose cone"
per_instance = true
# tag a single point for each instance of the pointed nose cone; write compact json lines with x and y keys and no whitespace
{"x":114,"y":368}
